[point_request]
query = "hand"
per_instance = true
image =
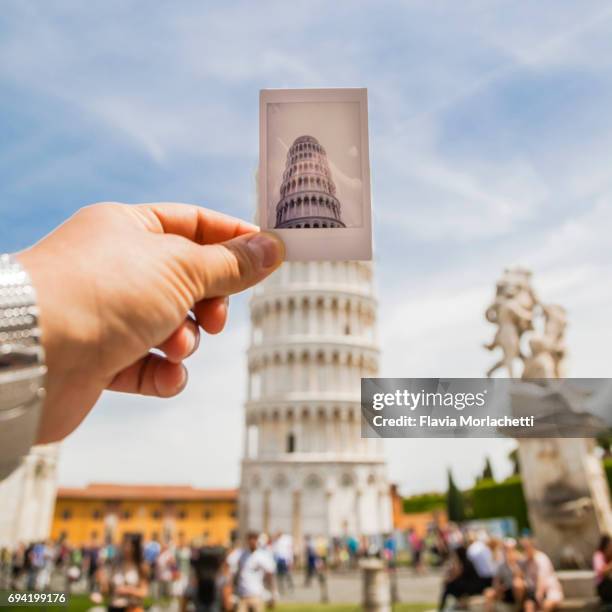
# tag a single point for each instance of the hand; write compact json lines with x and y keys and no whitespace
{"x":115,"y":281}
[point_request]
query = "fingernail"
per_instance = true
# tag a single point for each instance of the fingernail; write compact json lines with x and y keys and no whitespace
{"x":185,"y":379}
{"x":267,"y":249}
{"x":194,"y":343}
{"x":194,"y":337}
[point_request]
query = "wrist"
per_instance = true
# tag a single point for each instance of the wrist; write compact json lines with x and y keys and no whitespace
{"x":61,"y":334}
{"x":22,"y":369}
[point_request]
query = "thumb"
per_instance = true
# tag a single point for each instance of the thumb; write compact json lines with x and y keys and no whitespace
{"x":235,"y":265}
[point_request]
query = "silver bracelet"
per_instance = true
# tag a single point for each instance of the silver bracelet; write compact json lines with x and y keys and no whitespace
{"x":22,"y":369}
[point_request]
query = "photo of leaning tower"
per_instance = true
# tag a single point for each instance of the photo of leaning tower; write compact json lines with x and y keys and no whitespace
{"x":307,"y":193}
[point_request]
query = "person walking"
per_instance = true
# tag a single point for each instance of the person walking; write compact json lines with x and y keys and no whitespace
{"x":311,"y":561}
{"x":602,"y":566}
{"x":416,"y":550}
{"x":282,"y":547}
{"x":91,"y":556}
{"x":182,"y":555}
{"x":18,"y":565}
{"x":5,"y":568}
{"x":127,"y":583}
{"x":166,"y":571}
{"x":32,"y":565}
{"x":253,"y":576}
{"x":210,"y":582}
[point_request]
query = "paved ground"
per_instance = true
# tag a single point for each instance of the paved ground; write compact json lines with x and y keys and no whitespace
{"x":346,"y":588}
{"x":343,"y":587}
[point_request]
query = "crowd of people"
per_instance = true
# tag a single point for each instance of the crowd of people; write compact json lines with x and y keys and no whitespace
{"x":204,"y":578}
{"x":517,"y":573}
{"x":431,"y":549}
{"x":502,"y":571}
{"x":251,"y":576}
{"x":505,"y":572}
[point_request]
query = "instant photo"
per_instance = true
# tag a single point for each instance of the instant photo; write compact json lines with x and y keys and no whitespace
{"x":314,"y":179}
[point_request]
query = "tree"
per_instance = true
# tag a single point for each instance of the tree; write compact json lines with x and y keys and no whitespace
{"x":514,"y":458}
{"x":604,"y":441}
{"x":487,"y":473}
{"x":455,"y":506}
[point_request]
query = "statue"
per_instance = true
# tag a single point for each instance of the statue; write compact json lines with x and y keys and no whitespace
{"x":540,"y":364}
{"x":547,"y":348}
{"x":554,"y":332}
{"x":563,"y":480}
{"x":512,"y":312}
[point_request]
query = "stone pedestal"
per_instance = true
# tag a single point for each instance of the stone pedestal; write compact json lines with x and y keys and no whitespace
{"x":564,"y":483}
{"x":376,"y":586}
{"x":568,"y":497}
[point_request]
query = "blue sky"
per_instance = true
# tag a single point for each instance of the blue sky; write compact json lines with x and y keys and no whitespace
{"x":490,"y":145}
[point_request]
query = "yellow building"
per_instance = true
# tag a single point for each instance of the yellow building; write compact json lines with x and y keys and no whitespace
{"x":108,"y":511}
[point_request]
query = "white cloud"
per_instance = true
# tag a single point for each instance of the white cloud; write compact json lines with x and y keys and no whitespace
{"x":468,"y":199}
{"x":574,"y":37}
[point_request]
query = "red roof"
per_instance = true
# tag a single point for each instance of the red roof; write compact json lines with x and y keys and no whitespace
{"x":109,"y":491}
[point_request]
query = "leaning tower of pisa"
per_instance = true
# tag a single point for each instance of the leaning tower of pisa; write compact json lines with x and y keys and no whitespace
{"x":306,"y":470}
{"x":308,"y":192}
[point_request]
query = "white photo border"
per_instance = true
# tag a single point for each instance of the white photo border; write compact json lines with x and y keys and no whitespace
{"x":319,"y":244}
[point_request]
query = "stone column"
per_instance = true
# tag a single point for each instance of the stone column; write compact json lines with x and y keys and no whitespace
{"x":329,"y":497}
{"x":329,"y":431}
{"x":246,"y":443}
{"x":283,"y":321}
{"x":296,"y":522}
{"x":243,"y":512}
{"x":376,"y":586}
{"x":266,"y":511}
{"x":358,"y":494}
{"x":327,"y":317}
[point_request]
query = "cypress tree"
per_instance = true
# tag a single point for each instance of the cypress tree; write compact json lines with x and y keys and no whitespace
{"x":487,"y":473}
{"x":455,"y":506}
{"x":514,"y":458}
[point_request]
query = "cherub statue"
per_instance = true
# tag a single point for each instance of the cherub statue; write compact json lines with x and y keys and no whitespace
{"x":541,"y":363}
{"x":548,"y":349}
{"x":554,"y":331}
{"x":512,"y":312}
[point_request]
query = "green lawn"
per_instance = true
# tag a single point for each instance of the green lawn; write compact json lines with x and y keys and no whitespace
{"x":417,"y":607}
{"x":81,"y":603}
{"x":78,"y":603}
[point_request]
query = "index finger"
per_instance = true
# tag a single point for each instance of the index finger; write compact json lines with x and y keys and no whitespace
{"x":199,"y":224}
